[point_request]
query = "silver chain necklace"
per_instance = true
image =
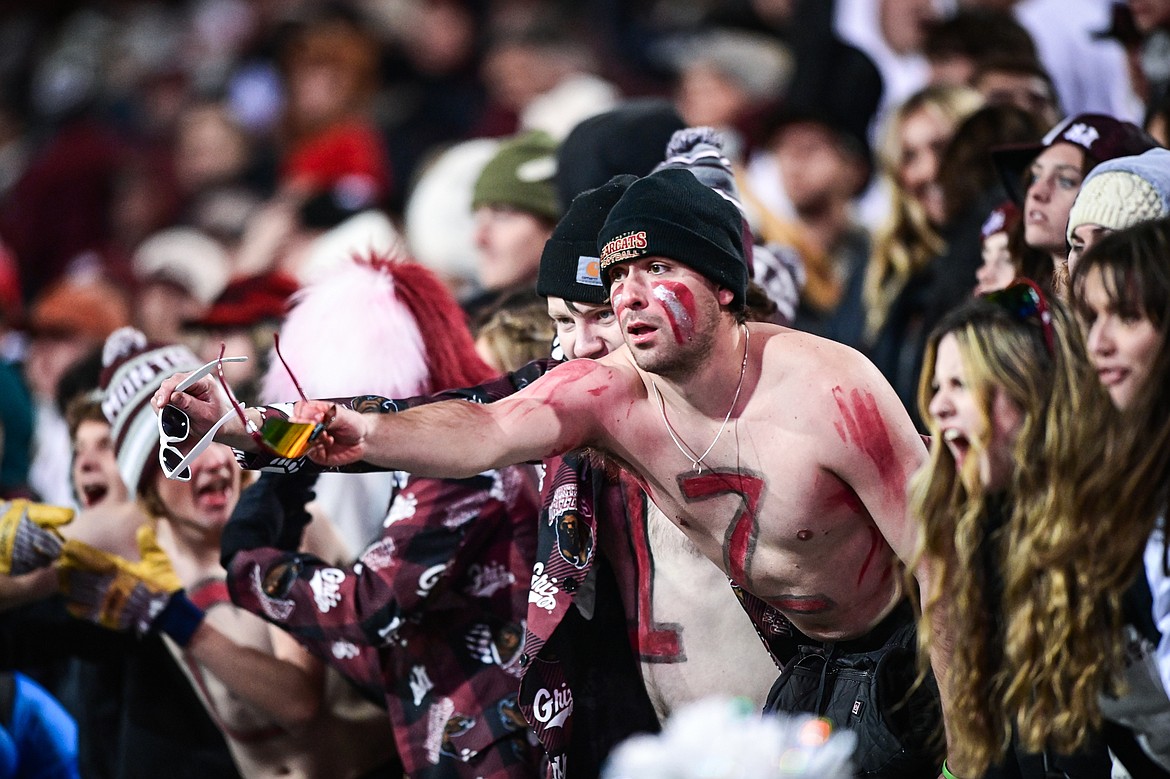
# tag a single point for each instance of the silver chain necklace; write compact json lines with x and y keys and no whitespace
{"x":697,"y":462}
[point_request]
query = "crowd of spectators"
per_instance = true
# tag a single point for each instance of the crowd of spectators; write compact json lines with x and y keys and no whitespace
{"x":181,"y":174}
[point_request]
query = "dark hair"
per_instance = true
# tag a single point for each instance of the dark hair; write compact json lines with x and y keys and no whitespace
{"x":978,"y":34}
{"x":1133,"y":264}
{"x":966,"y":170}
{"x":1017,"y":65}
{"x":1158,"y":107}
{"x":851,"y":143}
{"x":1030,"y":263}
{"x":758,"y":305}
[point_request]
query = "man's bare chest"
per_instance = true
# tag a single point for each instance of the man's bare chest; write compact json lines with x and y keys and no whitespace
{"x":749,"y":492}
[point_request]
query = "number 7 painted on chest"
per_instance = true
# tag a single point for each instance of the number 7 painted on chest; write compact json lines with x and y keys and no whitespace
{"x":739,"y":542}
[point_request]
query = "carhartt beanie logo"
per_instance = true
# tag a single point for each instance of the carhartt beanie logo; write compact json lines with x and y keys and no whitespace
{"x":670,"y":213}
{"x":569,"y":266}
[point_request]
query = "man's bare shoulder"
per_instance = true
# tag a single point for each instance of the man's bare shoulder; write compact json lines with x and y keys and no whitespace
{"x":794,"y":357}
{"x":582,"y":386}
{"x":615,"y":372}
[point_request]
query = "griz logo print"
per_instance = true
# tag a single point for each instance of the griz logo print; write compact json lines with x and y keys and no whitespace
{"x":456,"y":726}
{"x":552,"y":707}
{"x":574,"y":539}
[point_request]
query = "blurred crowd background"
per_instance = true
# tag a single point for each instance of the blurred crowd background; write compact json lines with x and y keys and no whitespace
{"x":183,"y":166}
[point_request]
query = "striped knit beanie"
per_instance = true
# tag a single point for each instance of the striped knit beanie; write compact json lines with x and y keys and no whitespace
{"x":132,"y":370}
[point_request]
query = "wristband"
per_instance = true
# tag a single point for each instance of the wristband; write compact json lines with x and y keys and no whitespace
{"x":946,"y":772}
{"x":180,"y":618}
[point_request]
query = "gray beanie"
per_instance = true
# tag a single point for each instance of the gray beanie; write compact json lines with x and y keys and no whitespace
{"x":1123,"y":192}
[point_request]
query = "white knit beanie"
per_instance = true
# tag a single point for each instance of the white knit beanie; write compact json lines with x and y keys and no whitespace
{"x":1123,"y":192}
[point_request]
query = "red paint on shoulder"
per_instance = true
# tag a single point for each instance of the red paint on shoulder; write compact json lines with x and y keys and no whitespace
{"x":569,"y":373}
{"x":571,"y":370}
{"x":866,"y":427}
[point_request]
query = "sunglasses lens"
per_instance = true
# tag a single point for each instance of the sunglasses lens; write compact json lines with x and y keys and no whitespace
{"x":171,"y":459}
{"x":1026,"y":302}
{"x":289,"y":439}
{"x":1020,"y":299}
{"x":174,"y":422}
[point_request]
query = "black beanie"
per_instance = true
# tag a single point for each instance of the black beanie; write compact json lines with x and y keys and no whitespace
{"x":630,"y":138}
{"x":569,"y":266}
{"x":670,"y":213}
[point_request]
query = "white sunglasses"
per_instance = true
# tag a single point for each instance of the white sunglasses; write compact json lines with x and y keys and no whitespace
{"x":174,"y":426}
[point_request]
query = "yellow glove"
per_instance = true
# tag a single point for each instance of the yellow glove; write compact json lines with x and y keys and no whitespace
{"x":114,"y":592}
{"x":29,"y":535}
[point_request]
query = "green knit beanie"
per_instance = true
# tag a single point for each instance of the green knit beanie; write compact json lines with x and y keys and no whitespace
{"x":520,"y":176}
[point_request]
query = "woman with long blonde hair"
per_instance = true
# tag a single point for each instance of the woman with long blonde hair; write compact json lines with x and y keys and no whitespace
{"x":1026,"y":583}
{"x":909,"y":155}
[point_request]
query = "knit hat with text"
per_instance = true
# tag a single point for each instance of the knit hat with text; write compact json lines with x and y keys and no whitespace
{"x":569,"y":265}
{"x":132,"y":369}
{"x":1123,"y":192}
{"x":670,"y":213}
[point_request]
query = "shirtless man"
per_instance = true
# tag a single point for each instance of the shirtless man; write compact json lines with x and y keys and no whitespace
{"x":782,"y":456}
{"x":686,"y":629}
{"x":615,"y":582}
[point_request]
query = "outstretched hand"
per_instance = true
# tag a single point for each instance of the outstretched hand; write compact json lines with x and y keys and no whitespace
{"x":203,"y":402}
{"x":343,"y":441}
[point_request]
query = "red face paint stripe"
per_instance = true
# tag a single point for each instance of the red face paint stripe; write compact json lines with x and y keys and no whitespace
{"x":679,"y":304}
{"x":616,"y":299}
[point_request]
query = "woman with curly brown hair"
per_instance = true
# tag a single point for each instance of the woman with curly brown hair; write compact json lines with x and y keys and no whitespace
{"x":1026,"y":582}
